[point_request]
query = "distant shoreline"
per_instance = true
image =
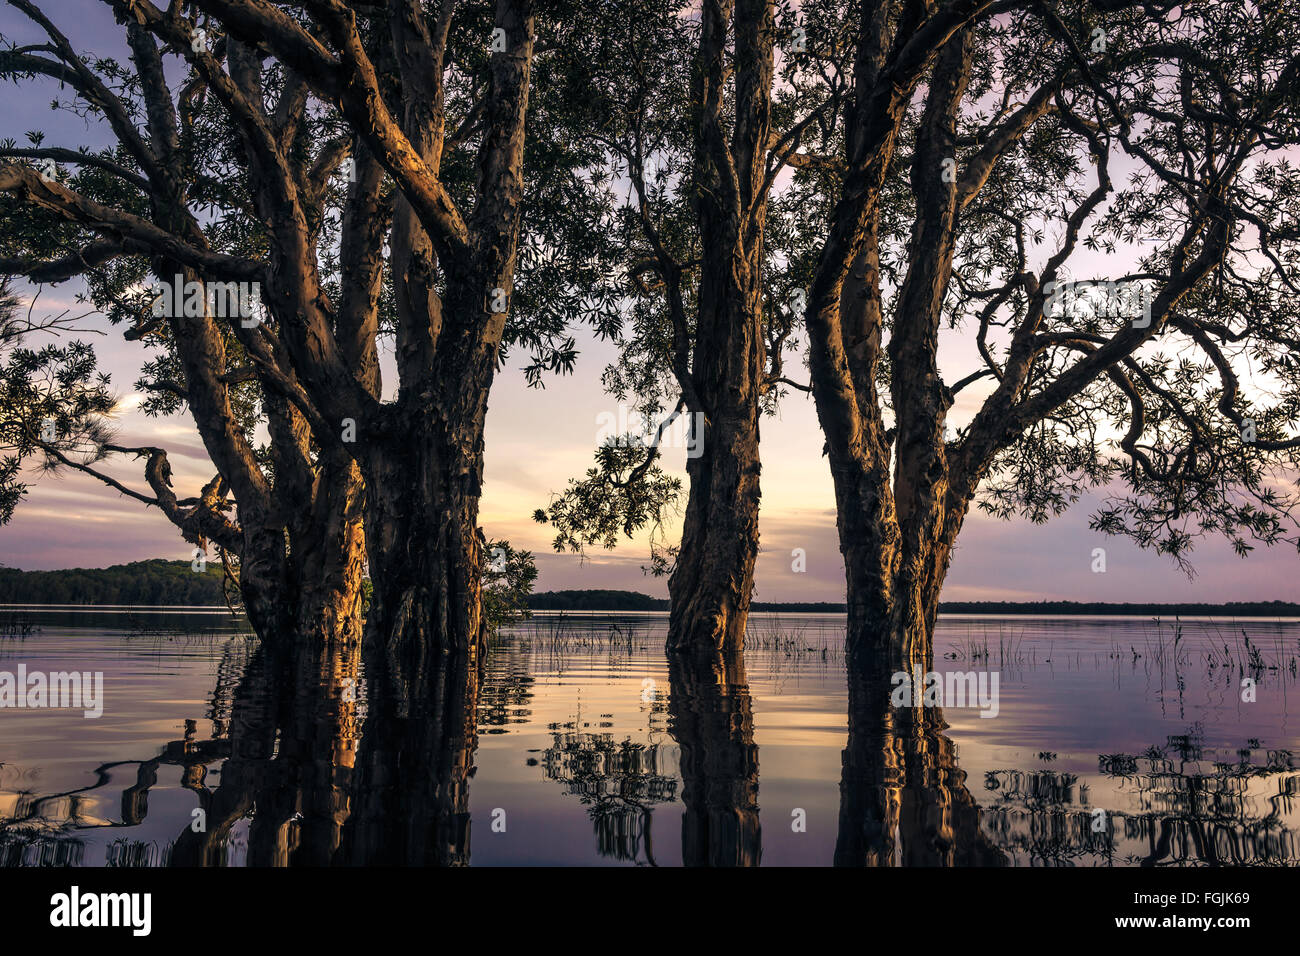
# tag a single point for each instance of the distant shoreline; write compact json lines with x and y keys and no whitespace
{"x":174,"y":585}
{"x":614,"y":601}
{"x":12,"y":614}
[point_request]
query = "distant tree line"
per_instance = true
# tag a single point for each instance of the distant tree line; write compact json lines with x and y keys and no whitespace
{"x":595,"y":600}
{"x":153,"y":582}
{"x":1229,"y":609}
{"x":159,"y":582}
{"x":610,"y":600}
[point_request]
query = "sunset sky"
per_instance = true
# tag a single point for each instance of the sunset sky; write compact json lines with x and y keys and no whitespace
{"x":539,"y":438}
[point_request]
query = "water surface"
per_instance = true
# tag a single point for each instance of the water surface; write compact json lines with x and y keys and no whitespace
{"x":1117,"y":742}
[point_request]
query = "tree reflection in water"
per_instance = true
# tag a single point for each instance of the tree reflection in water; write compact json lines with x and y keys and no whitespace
{"x":315,"y":766}
{"x":619,"y":783}
{"x":291,"y":748}
{"x":903,"y":798}
{"x":712,"y":719}
{"x":1191,"y":809}
{"x":411,"y":794}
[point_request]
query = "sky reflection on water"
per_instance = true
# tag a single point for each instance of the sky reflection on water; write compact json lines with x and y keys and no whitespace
{"x":589,"y":751}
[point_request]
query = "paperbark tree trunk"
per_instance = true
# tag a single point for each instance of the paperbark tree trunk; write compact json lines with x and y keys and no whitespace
{"x":425,"y":551}
{"x":301,"y":557}
{"x":893,"y":594}
{"x":424,"y":475}
{"x":891,"y":616}
{"x":714,"y":577}
{"x":896,"y":530}
{"x":327,"y":560}
{"x":422,"y":457}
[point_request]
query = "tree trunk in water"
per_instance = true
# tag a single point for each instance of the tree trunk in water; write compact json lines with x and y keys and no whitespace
{"x":892,"y":585}
{"x":891,"y":631}
{"x":328,"y":551}
{"x":893,"y":590}
{"x":263,"y":584}
{"x":425,"y":548}
{"x":311,"y":590}
{"x":315,"y":599}
{"x":713,"y":580}
{"x":714,"y":577}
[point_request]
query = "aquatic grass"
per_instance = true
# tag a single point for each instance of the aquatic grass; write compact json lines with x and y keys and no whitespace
{"x":15,"y":625}
{"x":1170,"y":653}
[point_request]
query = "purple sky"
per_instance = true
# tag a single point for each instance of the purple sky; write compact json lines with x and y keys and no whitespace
{"x":537,"y":439}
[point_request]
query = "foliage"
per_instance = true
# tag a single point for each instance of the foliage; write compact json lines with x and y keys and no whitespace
{"x":595,"y":599}
{"x":50,"y":396}
{"x":508,"y":578}
{"x":640,"y":96}
{"x":625,"y":491}
{"x":190,"y":183}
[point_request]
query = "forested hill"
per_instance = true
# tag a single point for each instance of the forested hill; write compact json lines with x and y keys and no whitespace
{"x":595,"y":600}
{"x":155,"y":582}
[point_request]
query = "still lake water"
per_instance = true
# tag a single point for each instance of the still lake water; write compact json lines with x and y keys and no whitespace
{"x":1117,"y":742}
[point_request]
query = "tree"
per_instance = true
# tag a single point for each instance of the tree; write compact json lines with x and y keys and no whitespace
{"x":353,"y":172}
{"x":931,"y":218}
{"x":132,"y":211}
{"x":682,"y":99}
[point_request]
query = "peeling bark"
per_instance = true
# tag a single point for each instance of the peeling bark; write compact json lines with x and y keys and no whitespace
{"x":713,"y":580}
